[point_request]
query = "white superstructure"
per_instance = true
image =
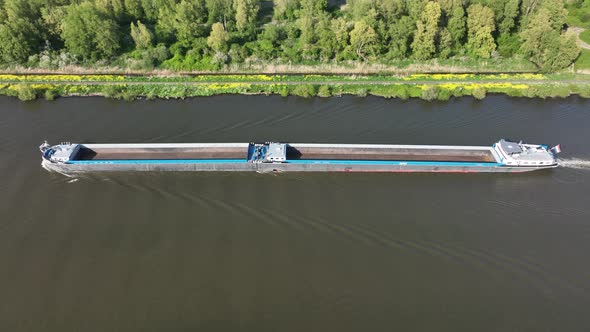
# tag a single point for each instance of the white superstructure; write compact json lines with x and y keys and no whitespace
{"x":528,"y":155}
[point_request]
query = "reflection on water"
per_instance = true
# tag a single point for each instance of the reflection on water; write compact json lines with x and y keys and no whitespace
{"x":346,"y":252}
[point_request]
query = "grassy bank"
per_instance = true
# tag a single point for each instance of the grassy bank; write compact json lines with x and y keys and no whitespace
{"x":424,"y":86}
{"x":393,"y":67}
{"x":267,"y":78}
{"x":583,"y":61}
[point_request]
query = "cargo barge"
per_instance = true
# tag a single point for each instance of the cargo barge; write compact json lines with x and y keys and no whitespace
{"x":503,"y":156}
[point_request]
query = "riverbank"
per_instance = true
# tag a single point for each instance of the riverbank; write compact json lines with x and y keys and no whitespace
{"x":424,"y":86}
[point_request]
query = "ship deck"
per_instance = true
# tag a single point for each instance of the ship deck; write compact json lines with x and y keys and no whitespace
{"x":161,"y":153}
{"x":299,"y":152}
{"x":405,"y":154}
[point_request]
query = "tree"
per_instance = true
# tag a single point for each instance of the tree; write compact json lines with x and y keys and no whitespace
{"x":456,"y":25}
{"x":141,"y":35}
{"x":313,"y":7}
{"x":217,"y":40}
{"x":89,"y":32}
{"x":557,"y":12}
{"x":545,"y":46}
{"x":113,"y":8}
{"x":480,"y":25}
{"x":20,"y":35}
{"x":285,"y":9}
{"x":359,"y":8}
{"x":363,"y":40}
{"x":220,"y":11}
{"x":309,"y":16}
{"x":134,"y":8}
{"x":246,"y":12}
{"x":445,"y":43}
{"x":423,"y":45}
{"x":326,"y":43}
{"x":341,"y":35}
{"x":400,"y":33}
{"x":52,"y":18}
{"x":508,"y":22}
{"x":391,"y":10}
{"x":188,"y":20}
{"x":18,"y":40}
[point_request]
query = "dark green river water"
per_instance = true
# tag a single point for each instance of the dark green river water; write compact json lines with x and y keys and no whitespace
{"x":294,"y":252}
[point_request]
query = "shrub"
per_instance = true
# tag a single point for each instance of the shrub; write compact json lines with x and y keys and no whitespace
{"x":49,"y":94}
{"x":127,"y":95}
{"x":362,"y":92}
{"x":560,"y":91}
{"x":585,"y":91}
{"x":25,"y":92}
{"x":479,"y":93}
{"x":430,"y":93}
{"x":508,"y":45}
{"x":324,"y":91}
{"x":304,"y":90}
{"x":403,"y":94}
{"x":444,"y":95}
{"x":284,"y":91}
{"x":111,"y":91}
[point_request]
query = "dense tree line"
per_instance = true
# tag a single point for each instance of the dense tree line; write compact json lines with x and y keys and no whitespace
{"x":206,"y":34}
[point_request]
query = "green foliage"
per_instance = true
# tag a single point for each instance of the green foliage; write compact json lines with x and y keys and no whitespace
{"x":584,"y":91}
{"x":430,"y":93}
{"x":508,"y":45}
{"x":147,"y":59}
{"x":324,"y":91}
{"x":111,"y":90}
{"x":545,"y":46}
{"x":89,"y":32}
{"x":585,"y":36}
{"x":246,"y":12}
{"x":49,"y":95}
{"x":304,"y":90}
{"x":142,"y":36}
{"x":363,"y":40}
{"x":509,"y":15}
{"x":121,"y":33}
{"x":480,"y":25}
{"x":18,"y":39}
{"x":456,"y":25}
{"x":220,"y":11}
{"x":583,"y":61}
{"x":25,"y":92}
{"x":445,"y":43}
{"x":426,"y":30}
{"x":578,"y":13}
{"x":214,"y":85}
{"x":285,"y":9}
{"x":479,"y":93}
{"x":20,"y":35}
{"x":399,"y":33}
{"x":187,"y":20}
{"x":218,"y":38}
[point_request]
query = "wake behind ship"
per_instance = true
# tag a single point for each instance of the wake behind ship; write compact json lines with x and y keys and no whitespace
{"x":503,"y":156}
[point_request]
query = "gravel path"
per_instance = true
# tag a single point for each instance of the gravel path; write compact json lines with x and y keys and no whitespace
{"x":578,"y":31}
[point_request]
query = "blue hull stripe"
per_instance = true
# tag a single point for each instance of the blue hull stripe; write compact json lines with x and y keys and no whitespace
{"x":329,"y":162}
{"x":158,"y":161}
{"x":397,"y":163}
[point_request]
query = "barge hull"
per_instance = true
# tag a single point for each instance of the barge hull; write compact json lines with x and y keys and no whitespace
{"x":284,"y":167}
{"x":505,"y":156}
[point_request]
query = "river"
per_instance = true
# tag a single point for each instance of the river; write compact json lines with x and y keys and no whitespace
{"x":294,"y":252}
